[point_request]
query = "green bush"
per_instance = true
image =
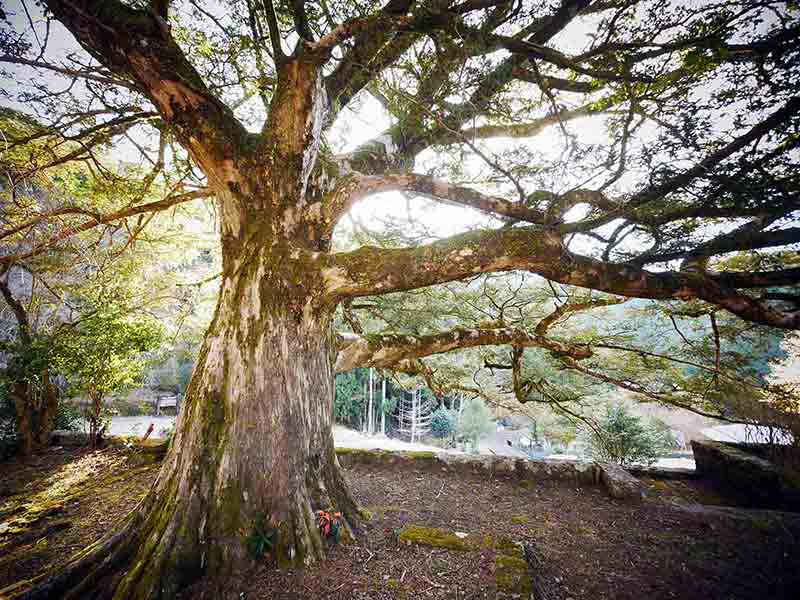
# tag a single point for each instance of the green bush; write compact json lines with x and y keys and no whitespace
{"x":348,"y":405}
{"x":122,"y":407}
{"x":475,"y":421}
{"x":443,"y":422}
{"x":69,"y":417}
{"x":624,"y":438}
{"x":8,"y":425}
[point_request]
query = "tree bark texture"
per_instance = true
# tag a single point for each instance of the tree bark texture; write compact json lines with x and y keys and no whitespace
{"x":36,"y":409}
{"x":254,"y":445}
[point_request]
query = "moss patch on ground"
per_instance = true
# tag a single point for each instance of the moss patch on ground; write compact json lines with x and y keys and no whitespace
{"x":512,"y":576}
{"x":520,"y":519}
{"x":440,"y":538}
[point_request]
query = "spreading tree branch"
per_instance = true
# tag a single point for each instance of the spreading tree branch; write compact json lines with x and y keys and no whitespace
{"x":369,"y":271}
{"x":134,"y":44}
{"x":386,"y":351}
{"x":95,"y":221}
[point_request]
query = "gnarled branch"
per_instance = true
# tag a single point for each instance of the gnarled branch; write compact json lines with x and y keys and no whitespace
{"x":386,"y":351}
{"x":370,"y":270}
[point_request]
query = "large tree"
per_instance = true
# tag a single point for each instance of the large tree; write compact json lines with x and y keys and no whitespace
{"x":699,"y":160}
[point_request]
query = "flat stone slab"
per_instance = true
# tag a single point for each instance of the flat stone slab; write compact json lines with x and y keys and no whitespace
{"x":671,"y":473}
{"x":620,"y":484}
{"x":754,"y":481}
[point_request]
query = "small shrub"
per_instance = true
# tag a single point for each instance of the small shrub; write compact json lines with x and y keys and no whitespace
{"x":261,"y":539}
{"x":443,"y":422}
{"x":168,"y":433}
{"x":329,"y":525}
{"x":68,"y":417}
{"x":624,"y":438}
{"x":475,"y":421}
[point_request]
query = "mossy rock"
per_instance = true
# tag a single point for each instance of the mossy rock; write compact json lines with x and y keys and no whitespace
{"x":152,"y":450}
{"x":366,"y":514}
{"x":425,"y":454}
{"x":439,"y":538}
{"x":439,"y":565}
{"x":359,"y":456}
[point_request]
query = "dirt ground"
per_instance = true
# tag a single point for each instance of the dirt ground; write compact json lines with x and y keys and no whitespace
{"x":586,"y":544}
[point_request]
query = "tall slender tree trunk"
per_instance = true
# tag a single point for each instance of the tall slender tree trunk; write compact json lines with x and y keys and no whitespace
{"x":20,"y":393}
{"x":383,"y":406}
{"x":371,"y":421}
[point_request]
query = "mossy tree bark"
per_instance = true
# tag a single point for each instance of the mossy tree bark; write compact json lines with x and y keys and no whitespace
{"x":254,"y":450}
{"x":36,"y":408}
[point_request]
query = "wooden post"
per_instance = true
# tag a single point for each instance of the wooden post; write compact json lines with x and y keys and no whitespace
{"x":413,"y":413}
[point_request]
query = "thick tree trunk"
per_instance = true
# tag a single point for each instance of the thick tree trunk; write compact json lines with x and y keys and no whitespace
{"x":25,"y":418}
{"x":47,"y":410}
{"x":254,"y":451}
{"x":36,"y":409}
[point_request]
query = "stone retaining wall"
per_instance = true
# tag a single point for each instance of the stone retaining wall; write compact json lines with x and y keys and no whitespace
{"x":620,"y":484}
{"x":752,"y":480}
